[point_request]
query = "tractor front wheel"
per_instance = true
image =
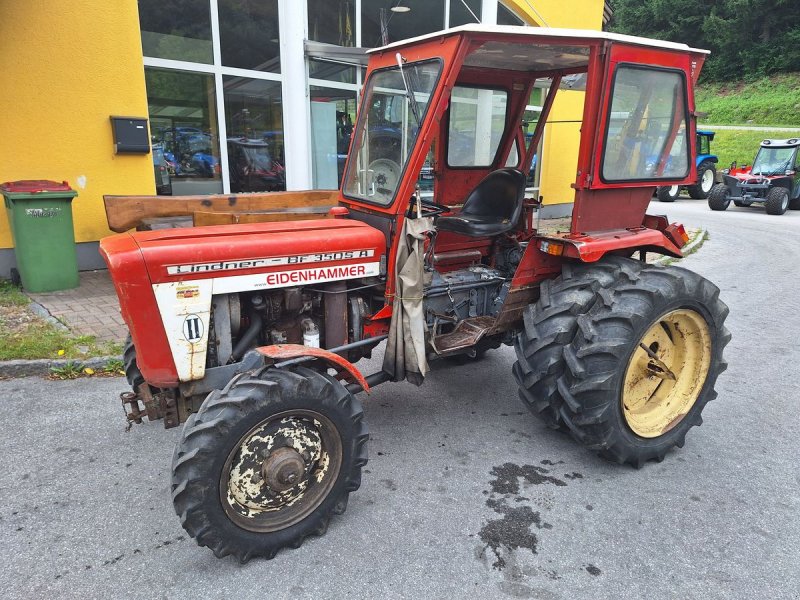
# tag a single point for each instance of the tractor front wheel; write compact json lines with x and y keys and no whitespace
{"x":644,"y":363}
{"x":777,"y":201}
{"x":718,"y":198}
{"x":706,"y":175}
{"x":132,"y":372}
{"x":265,"y":462}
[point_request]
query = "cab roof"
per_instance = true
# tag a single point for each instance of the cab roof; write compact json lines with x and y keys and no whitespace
{"x":512,"y":46}
{"x":792,"y":142}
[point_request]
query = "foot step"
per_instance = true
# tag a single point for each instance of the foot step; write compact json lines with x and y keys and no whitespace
{"x":466,"y":334}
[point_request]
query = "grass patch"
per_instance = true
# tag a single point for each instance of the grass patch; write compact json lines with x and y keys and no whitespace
{"x":24,"y":335}
{"x":767,"y":101}
{"x":10,"y":295}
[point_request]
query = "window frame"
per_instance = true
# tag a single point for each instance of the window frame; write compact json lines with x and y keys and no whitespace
{"x":687,"y":137}
{"x":363,"y":114}
{"x":502,"y":135}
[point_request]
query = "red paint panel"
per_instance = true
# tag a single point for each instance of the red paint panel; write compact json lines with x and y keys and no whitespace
{"x":139,"y":309}
{"x":287,"y":351}
{"x":592,"y":247}
{"x":161,"y":249}
{"x":596,"y":210}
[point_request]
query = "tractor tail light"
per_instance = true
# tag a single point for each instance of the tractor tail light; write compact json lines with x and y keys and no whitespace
{"x":553,"y":248}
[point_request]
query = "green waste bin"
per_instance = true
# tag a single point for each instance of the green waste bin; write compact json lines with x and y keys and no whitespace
{"x":40,"y":214}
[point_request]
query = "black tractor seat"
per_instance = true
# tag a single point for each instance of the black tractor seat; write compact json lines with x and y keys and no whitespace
{"x":492,"y":208}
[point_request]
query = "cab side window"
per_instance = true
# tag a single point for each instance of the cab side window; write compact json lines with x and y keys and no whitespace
{"x":477,"y":123}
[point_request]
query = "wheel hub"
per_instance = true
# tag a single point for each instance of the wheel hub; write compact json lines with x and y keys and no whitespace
{"x":666,"y":373}
{"x":708,"y":181}
{"x":283,"y":469}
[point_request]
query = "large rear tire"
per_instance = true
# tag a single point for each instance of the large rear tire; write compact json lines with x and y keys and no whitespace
{"x":266,"y":461}
{"x":777,"y":201}
{"x":551,"y":323}
{"x":706,"y":175}
{"x":643,"y":364}
{"x":718,"y":198}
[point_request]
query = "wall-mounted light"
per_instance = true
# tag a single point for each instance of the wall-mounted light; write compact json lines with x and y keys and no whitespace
{"x":400,"y":9}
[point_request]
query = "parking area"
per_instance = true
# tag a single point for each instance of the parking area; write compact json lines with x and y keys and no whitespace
{"x":465,"y":494}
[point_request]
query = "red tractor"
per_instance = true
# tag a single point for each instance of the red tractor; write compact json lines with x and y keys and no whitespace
{"x":250,"y":332}
{"x":773,"y":180}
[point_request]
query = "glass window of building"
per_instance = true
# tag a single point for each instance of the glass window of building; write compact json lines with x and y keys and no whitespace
{"x":463,"y":12}
{"x":332,"y":21}
{"x":331,"y":71}
{"x":176,"y":29}
{"x":254,"y":122}
{"x":400,"y":20}
{"x":183,"y":127}
{"x":333,"y":112}
{"x":248,"y":34}
{"x":506,"y":17}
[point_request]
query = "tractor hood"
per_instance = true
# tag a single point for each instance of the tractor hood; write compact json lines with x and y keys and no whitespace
{"x":230,"y":250}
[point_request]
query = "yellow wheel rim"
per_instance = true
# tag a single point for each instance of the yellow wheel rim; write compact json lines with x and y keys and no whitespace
{"x":666,"y":373}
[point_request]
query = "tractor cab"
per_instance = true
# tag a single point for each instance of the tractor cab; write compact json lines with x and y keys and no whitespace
{"x":459,"y":97}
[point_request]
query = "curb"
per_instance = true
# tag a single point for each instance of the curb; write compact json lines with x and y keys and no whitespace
{"x":688,"y":249}
{"x":41,"y":366}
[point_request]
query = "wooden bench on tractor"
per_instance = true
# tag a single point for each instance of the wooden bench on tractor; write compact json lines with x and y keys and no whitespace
{"x":249,"y":331}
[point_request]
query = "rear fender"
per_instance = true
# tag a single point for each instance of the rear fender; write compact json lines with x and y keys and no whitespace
{"x":656,"y":235}
{"x":344,"y":368}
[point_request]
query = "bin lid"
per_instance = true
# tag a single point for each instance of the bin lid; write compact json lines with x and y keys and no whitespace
{"x":34,"y":186}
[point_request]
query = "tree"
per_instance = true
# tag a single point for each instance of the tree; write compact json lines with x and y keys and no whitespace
{"x":747,"y":38}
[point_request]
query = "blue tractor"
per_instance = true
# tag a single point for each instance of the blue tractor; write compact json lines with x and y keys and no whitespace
{"x":706,"y":172}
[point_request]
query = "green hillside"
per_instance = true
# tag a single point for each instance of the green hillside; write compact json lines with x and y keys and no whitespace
{"x":768,"y":101}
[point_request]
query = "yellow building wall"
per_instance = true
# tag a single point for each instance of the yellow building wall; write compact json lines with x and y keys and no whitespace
{"x":562,"y":135}
{"x":65,"y":67}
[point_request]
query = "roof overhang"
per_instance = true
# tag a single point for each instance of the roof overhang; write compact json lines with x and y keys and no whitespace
{"x":517,"y":34}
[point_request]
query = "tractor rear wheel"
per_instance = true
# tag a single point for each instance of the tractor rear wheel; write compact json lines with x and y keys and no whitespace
{"x":132,"y":372}
{"x":668,"y":193}
{"x":777,"y":201}
{"x":266,"y":461}
{"x":644,"y":363}
{"x":794,"y":204}
{"x":706,"y":175}
{"x":718,"y":198}
{"x":551,"y":323}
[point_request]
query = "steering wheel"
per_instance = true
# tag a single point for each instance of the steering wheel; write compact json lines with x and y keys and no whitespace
{"x":385,"y":178}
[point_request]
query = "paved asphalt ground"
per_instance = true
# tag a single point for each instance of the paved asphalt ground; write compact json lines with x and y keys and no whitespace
{"x":85,"y":510}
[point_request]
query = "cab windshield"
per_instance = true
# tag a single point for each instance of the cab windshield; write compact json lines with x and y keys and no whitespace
{"x":773,"y":161}
{"x":394,"y":107}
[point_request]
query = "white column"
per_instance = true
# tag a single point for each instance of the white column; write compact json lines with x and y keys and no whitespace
{"x":296,"y":107}
{"x":489,"y":12}
{"x":222,"y":126}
